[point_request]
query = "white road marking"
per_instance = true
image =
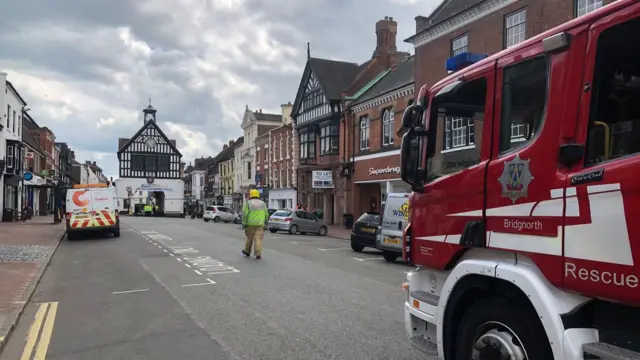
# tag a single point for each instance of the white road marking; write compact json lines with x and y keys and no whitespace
{"x":187,"y":265}
{"x":165,"y":250}
{"x":172,"y":254}
{"x":178,"y":259}
{"x":147,"y":232}
{"x":128,"y":291}
{"x":368,"y":259}
{"x":332,"y":249}
{"x":211,"y":281}
{"x":197,"y":272}
{"x":200,"y":284}
{"x":223,"y":272}
{"x":294,"y":242}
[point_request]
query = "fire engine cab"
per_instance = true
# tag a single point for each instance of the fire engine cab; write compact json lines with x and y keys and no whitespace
{"x":524,"y":219}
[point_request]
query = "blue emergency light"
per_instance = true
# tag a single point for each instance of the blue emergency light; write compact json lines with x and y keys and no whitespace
{"x":463,"y":60}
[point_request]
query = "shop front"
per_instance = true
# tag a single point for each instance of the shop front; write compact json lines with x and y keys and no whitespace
{"x":373,"y":178}
{"x":282,"y":198}
{"x":33,"y":186}
{"x":317,"y":194}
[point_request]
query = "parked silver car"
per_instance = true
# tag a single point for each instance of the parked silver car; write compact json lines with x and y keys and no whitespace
{"x":296,"y":221}
{"x":221,"y":213}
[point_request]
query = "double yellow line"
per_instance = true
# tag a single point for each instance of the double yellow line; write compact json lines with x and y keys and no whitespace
{"x":40,"y":332}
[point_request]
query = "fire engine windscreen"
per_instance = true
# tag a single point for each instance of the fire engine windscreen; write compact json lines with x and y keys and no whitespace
{"x":614,"y":127}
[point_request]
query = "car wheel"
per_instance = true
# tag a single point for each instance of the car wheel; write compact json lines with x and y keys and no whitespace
{"x":390,"y":256}
{"x":495,"y":326}
{"x":237,"y":221}
{"x":216,"y":219}
{"x":206,"y":220}
{"x":273,"y":231}
{"x":356,"y":247}
{"x":322,"y":231}
{"x":293,"y":229}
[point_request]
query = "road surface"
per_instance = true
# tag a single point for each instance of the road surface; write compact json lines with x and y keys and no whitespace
{"x":181,"y":289}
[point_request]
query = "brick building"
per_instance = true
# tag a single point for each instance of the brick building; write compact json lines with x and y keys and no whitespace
{"x":373,"y":144}
{"x":318,"y":126}
{"x":484,"y":27}
{"x":282,"y":193}
{"x":262,"y":165}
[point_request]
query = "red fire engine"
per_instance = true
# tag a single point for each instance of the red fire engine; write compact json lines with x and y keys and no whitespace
{"x":525,"y":213}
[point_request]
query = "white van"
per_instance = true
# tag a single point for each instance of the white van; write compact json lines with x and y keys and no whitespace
{"x":395,"y":216}
{"x":92,"y":207}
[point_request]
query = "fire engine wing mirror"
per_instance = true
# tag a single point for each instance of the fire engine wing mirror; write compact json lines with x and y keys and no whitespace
{"x":411,"y":117}
{"x":410,"y":159}
{"x":570,"y":154}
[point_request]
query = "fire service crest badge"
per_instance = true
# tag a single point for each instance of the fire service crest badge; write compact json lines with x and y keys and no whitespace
{"x":515,"y":178}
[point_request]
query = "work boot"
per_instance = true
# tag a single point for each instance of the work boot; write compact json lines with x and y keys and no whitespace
{"x":258,"y":257}
{"x":245,"y":253}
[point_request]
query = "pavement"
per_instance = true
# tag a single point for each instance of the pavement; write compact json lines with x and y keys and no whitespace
{"x":181,"y":289}
{"x":25,"y":250}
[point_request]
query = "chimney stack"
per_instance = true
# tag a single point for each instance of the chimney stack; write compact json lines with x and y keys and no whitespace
{"x":260,"y":111}
{"x":386,"y":31}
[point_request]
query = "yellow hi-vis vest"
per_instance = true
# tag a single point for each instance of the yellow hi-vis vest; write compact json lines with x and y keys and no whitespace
{"x":255,"y":213}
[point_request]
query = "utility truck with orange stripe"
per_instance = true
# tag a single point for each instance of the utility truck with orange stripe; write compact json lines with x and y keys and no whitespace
{"x":92,"y":207}
{"x":524,"y":219}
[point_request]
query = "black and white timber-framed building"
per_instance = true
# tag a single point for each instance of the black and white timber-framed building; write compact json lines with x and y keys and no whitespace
{"x":150,"y":169}
{"x":316,"y":114}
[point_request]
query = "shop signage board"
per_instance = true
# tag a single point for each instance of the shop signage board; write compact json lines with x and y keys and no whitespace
{"x":322,"y":179}
{"x":386,"y":170}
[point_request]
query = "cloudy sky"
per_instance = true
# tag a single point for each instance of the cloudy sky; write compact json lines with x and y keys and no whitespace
{"x":88,"y":67}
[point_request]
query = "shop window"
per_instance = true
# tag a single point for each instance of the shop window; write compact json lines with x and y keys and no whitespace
{"x":307,"y":145}
{"x":365,"y":132}
{"x":329,"y":139}
{"x":524,"y":97}
{"x":388,"y":119}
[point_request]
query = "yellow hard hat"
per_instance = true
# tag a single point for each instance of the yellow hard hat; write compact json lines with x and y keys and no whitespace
{"x":254,"y":193}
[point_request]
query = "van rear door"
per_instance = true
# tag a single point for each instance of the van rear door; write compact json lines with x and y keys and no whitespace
{"x":79,"y":208}
{"x":103,"y":206}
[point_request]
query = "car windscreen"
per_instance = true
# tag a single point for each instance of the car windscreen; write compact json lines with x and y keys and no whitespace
{"x":283,"y":213}
{"x":373,"y":217}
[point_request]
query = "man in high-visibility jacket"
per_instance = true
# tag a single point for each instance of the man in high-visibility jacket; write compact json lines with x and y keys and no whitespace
{"x":254,"y":219}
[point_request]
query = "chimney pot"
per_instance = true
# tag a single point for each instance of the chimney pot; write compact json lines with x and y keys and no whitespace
{"x":390,"y":18}
{"x":386,"y":18}
{"x":260,"y":111}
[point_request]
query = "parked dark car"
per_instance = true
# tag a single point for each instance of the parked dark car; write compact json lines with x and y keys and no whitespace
{"x":363,"y":232}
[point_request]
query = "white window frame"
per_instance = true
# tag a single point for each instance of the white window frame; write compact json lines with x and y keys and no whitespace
{"x":281,"y":148}
{"x":459,"y":133}
{"x":10,"y":155}
{"x":584,"y":7}
{"x":515,"y":28}
{"x":388,"y":119}
{"x":365,"y":133}
{"x":460,"y":45}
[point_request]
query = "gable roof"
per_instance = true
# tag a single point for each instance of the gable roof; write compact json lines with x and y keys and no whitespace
{"x":446,"y":10}
{"x":333,"y":76}
{"x":30,"y":140}
{"x":149,"y":124}
{"x":401,"y":76}
{"x":260,"y":116}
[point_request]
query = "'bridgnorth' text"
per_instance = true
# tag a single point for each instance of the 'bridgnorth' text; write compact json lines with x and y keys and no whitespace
{"x":522,"y":225}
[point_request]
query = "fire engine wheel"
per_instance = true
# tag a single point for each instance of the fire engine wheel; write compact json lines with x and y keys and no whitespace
{"x":498,"y":329}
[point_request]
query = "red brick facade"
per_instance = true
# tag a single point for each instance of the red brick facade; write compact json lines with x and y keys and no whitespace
{"x":281,"y":164}
{"x":487,"y":35}
{"x":262,"y":159}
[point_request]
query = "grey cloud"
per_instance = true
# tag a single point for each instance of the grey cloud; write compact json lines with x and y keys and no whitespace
{"x":190,"y":76}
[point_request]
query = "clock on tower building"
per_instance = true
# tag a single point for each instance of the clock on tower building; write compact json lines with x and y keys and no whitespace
{"x":149,"y":114}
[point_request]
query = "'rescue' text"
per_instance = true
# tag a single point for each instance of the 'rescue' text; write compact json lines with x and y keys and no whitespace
{"x":602,"y":277}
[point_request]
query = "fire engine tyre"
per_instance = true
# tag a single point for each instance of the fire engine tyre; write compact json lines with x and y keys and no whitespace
{"x":216,"y":219}
{"x":390,"y":256}
{"x":496,"y":328}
